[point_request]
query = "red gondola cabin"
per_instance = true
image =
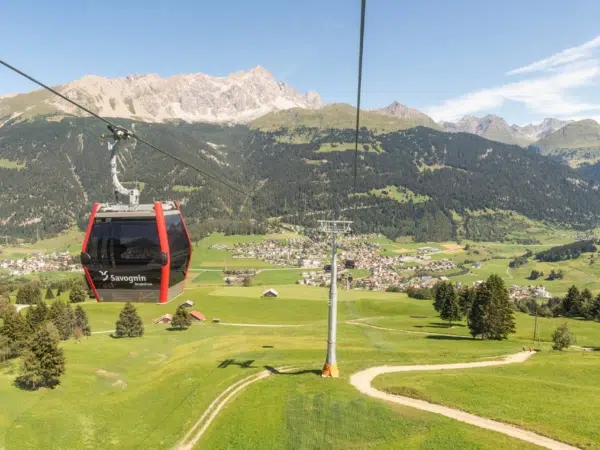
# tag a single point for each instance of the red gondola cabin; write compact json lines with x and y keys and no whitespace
{"x":139,"y":254}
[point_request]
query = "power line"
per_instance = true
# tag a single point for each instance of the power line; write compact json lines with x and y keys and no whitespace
{"x":111,"y":124}
{"x":358,"y":91}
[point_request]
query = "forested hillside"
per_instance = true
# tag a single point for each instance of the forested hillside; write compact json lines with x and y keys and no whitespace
{"x":52,"y":171}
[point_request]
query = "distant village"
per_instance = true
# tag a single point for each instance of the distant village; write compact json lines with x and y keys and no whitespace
{"x":41,"y":262}
{"x":402,"y":271}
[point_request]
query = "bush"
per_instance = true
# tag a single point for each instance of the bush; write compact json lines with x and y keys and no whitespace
{"x":181,"y":319}
{"x":420,"y":294}
{"x":393,"y":289}
{"x":247,"y":282}
{"x":562,"y":338}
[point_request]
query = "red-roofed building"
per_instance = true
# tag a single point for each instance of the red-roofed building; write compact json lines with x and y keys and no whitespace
{"x":198,"y":316}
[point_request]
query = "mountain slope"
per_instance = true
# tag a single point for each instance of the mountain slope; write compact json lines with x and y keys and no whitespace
{"x":52,"y":171}
{"x":496,"y":128}
{"x":409,"y":115}
{"x":239,"y":97}
{"x":338,"y":116}
{"x":577,"y":143}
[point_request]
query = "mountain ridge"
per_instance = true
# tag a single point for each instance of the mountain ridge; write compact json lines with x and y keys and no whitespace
{"x":239,"y":97}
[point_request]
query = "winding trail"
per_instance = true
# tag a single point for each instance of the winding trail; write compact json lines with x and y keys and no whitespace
{"x":362,"y":381}
{"x":189,"y":441}
{"x":359,"y":323}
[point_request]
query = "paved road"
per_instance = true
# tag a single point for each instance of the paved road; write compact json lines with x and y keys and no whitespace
{"x":362,"y":382}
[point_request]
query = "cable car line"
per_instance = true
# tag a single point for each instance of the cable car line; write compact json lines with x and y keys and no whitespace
{"x":113,"y":127}
{"x":359,"y":88}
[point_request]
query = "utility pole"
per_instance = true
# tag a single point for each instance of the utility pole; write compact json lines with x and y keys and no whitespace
{"x":333,"y":227}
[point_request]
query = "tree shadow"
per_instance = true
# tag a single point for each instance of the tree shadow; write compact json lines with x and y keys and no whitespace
{"x":27,"y":387}
{"x":232,"y":362}
{"x":418,"y":317}
{"x":445,"y":325}
{"x":176,"y":329}
{"x":268,"y":346}
{"x":274,"y":371}
{"x":450,"y":338}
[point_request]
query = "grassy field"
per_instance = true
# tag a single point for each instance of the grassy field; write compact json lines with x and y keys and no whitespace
{"x":155,"y":387}
{"x":147,"y":392}
{"x":538,"y":395}
{"x":8,"y":164}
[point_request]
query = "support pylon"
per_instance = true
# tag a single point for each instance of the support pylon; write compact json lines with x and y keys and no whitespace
{"x":330,"y":369}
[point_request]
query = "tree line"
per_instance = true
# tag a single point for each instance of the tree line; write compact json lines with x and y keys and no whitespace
{"x":565,"y":252}
{"x":487,"y":307}
{"x":576,"y":303}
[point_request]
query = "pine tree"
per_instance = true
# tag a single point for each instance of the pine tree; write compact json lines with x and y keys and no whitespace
{"x":451,"y":307}
{"x":499,"y":318}
{"x":25,"y":295}
{"x":81,"y":321}
{"x":440,"y":293}
{"x":61,"y":315}
{"x":181,"y":319}
{"x":37,"y":315}
{"x":15,"y":327}
{"x":571,"y":301}
{"x":466,"y":299}
{"x":49,"y":294}
{"x":586,"y":304}
{"x":78,"y":293}
{"x":595,"y":310}
{"x":43,"y":362}
{"x":129,"y":323}
{"x":6,"y":307}
{"x":36,"y":294}
{"x":477,"y":314}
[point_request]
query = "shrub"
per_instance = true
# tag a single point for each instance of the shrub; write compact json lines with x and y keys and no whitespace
{"x":562,"y":338}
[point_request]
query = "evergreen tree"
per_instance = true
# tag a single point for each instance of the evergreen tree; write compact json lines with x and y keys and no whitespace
{"x":59,"y":290}
{"x":15,"y":327}
{"x":81,"y":321}
{"x":49,"y":294}
{"x":500,"y":320}
{"x":595,"y":310}
{"x":181,"y":319}
{"x":129,"y":323}
{"x":78,"y":293}
{"x":586,"y":303}
{"x":562,"y":338}
{"x":43,"y":362}
{"x":25,"y":295}
{"x":54,"y":334}
{"x":6,"y":307}
{"x":466,"y":299}
{"x":440,"y":294}
{"x":37,"y":315}
{"x":572,"y":301}
{"x":36,"y":294}
{"x":61,"y":315}
{"x":451,"y":307}
{"x":477,"y":314}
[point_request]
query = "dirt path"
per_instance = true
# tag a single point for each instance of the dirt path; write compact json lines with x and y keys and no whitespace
{"x":189,"y":441}
{"x":357,"y":322}
{"x":362,"y":382}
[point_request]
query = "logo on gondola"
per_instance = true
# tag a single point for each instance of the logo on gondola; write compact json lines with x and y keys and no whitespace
{"x":133,"y":279}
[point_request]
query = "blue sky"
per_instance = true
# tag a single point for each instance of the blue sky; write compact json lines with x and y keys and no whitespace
{"x":445,"y":58}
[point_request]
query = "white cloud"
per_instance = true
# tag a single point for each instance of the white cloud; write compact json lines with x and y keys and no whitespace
{"x":545,"y":94}
{"x":567,"y":56}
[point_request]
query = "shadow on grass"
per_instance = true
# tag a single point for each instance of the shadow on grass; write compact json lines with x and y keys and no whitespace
{"x":268,"y":346}
{"x":176,"y":329}
{"x":274,"y":371}
{"x":28,"y":387}
{"x":232,"y":362}
{"x":445,"y":325}
{"x":451,"y":338}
